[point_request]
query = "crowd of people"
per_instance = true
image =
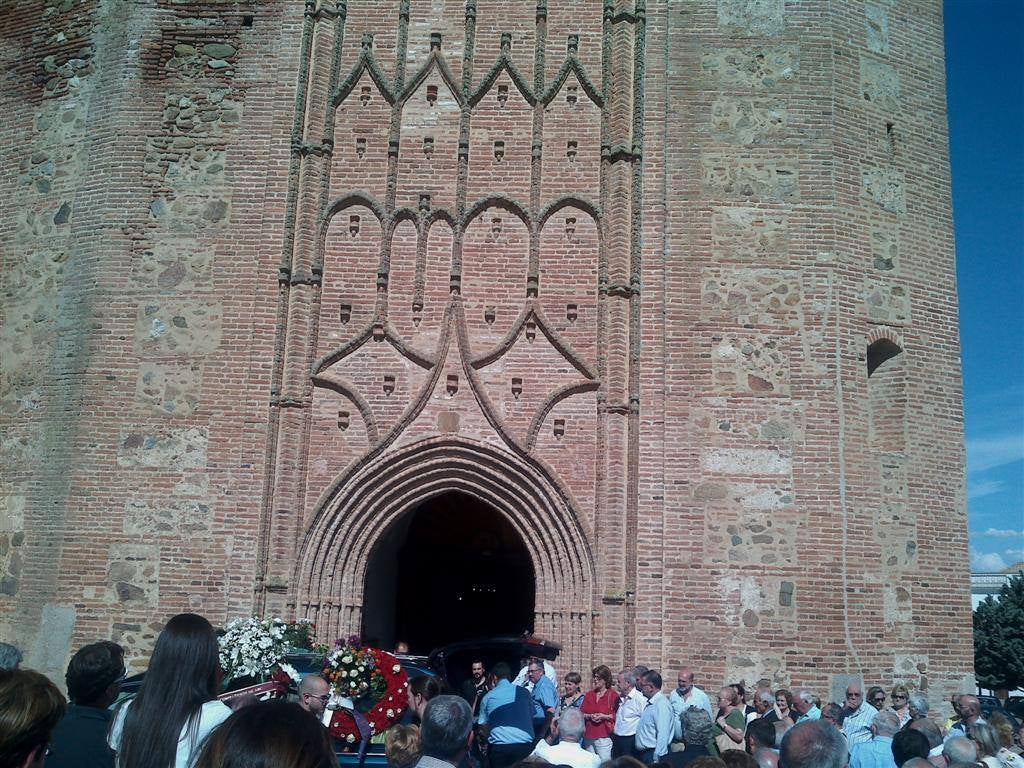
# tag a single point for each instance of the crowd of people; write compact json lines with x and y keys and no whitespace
{"x":628,"y":719}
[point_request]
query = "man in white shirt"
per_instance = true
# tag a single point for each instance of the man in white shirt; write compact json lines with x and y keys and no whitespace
{"x":631,"y":707}
{"x":685,"y":696}
{"x":569,"y":729}
{"x":655,"y":729}
{"x":857,"y":724}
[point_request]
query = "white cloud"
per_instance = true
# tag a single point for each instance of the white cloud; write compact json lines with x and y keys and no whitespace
{"x":1015,"y":554}
{"x":991,"y":562}
{"x":988,"y":452}
{"x":1003,"y":533}
{"x":975,"y":490}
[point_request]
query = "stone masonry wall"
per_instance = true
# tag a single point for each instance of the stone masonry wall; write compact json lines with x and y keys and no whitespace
{"x":669,"y":284}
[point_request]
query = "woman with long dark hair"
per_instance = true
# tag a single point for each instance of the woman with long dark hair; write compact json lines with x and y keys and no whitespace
{"x":176,"y":708}
{"x":269,"y":734}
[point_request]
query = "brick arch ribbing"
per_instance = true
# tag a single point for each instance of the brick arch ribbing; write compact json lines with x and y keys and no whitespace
{"x":335,"y":554}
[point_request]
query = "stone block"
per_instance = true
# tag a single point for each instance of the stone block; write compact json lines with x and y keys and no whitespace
{"x":137,"y":639}
{"x":877,"y":23}
{"x":752,"y":602}
{"x":174,"y":263}
{"x":171,"y":449}
{"x":884,"y":186}
{"x":133,"y":575}
{"x":747,"y":121}
{"x":191,"y":211}
{"x":12,"y":539}
{"x":752,"y":364}
{"x":760,"y":67}
{"x":880,"y":84}
{"x":175,"y":326}
{"x":170,"y":389}
{"x":751,"y":18}
{"x":725,"y":176}
{"x":53,"y":641}
{"x":748,"y":234}
{"x":886,"y":303}
{"x":746,"y":461}
{"x":892,"y":472}
{"x":885,"y":248}
{"x":898,"y":608}
{"x":167,"y":517}
{"x":749,"y":536}
{"x":722,"y":424}
{"x":746,"y":663}
{"x":754,"y":296}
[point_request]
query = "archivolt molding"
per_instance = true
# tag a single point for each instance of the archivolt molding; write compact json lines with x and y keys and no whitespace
{"x":330,"y":574}
{"x":879,"y":332}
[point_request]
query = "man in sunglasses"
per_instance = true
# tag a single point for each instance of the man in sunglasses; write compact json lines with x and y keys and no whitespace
{"x":857,"y":723}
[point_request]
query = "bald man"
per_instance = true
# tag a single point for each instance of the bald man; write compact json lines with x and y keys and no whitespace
{"x":314,"y":693}
{"x":970,"y":713}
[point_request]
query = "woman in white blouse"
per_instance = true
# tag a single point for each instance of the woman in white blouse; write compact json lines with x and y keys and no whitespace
{"x":176,"y":708}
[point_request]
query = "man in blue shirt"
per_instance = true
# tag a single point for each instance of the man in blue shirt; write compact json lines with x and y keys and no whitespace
{"x":657,"y":724}
{"x":545,"y":698}
{"x":877,"y":753}
{"x":506,"y":720}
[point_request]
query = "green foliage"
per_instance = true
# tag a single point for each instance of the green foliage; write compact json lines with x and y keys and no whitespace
{"x":999,"y":637}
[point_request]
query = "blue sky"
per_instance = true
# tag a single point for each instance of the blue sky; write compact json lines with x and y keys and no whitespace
{"x":985,"y":70}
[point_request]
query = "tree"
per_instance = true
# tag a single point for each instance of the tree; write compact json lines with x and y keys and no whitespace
{"x":999,"y":637}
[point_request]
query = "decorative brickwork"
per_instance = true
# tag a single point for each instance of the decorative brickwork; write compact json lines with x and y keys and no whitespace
{"x":669,"y":287}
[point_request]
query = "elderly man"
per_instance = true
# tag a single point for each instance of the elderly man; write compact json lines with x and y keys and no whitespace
{"x":970,"y":713}
{"x":627,"y":718}
{"x":657,"y":724}
{"x":918,"y":705}
{"x":857,"y":723}
{"x":314,"y":693}
{"x":569,"y":730}
{"x":804,"y":704}
{"x":687,"y":695}
{"x":764,"y":705}
{"x":813,"y":744}
{"x":445,"y":732}
{"x":506,"y":720}
{"x":877,"y":753}
{"x":958,"y":749}
{"x":697,"y":734}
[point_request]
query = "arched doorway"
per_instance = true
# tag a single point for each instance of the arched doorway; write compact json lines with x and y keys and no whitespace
{"x":451,"y":568}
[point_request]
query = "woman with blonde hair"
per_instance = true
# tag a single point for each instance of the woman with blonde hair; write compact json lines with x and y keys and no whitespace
{"x":731,"y":723}
{"x":901,"y":703}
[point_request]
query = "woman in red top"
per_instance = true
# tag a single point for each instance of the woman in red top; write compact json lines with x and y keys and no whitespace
{"x":599,"y":707}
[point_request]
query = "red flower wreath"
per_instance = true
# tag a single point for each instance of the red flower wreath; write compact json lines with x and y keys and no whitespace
{"x":389,"y":707}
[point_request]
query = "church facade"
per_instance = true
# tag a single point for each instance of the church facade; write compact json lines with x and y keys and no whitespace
{"x":630,"y":324}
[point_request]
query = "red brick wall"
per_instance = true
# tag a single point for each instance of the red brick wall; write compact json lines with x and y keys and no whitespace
{"x":614,"y":269}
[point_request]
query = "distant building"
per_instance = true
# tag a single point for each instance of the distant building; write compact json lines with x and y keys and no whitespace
{"x":985,"y":584}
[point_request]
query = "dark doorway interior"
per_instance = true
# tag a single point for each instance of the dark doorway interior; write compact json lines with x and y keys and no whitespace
{"x":451,"y":569}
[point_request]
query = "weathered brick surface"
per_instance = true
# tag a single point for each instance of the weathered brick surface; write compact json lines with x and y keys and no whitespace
{"x":273,"y":272}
